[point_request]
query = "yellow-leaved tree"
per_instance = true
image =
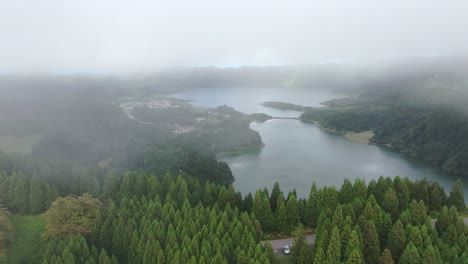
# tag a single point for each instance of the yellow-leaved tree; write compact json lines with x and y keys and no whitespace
{"x":72,"y":215}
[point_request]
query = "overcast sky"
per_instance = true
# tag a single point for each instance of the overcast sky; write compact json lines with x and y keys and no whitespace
{"x":129,"y":36}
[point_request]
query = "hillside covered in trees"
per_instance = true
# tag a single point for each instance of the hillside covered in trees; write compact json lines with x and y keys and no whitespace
{"x":89,"y":122}
{"x":416,"y":107}
{"x":435,"y":133}
{"x":145,"y":218}
{"x":108,"y":179}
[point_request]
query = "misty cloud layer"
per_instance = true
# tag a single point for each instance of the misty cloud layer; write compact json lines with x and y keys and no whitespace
{"x":129,"y":36}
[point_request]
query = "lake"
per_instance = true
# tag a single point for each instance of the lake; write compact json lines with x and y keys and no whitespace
{"x":297,"y":153}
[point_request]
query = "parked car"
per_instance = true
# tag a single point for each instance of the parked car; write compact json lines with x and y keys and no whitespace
{"x":286,"y":250}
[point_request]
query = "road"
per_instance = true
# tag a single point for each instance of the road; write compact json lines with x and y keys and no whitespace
{"x":279,"y":243}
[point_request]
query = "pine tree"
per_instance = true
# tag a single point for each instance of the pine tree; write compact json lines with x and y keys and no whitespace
{"x":435,"y":201}
{"x":386,"y":258}
{"x":161,"y":258}
{"x":348,"y":212}
{"x":418,"y":212}
{"x":346,"y":192}
{"x":320,"y":256}
{"x":312,"y":207}
{"x":360,"y":189}
{"x":386,"y":228}
{"x":282,"y":224}
{"x":104,"y":258}
{"x":353,"y":243}
{"x":415,"y":238}
{"x":410,"y":255}
{"x":176,"y":259}
{"x":355,"y":257}
{"x":330,"y":198}
{"x":302,"y":203}
{"x":149,"y":255}
{"x":292,"y":212}
{"x":463,"y":242}
{"x":378,"y":220}
{"x":334,"y":248}
{"x":443,"y":220}
{"x":269,"y":251}
{"x":338,"y":217}
{"x":126,"y":186}
{"x":304,"y":255}
{"x":261,"y":209}
{"x":450,"y":236}
{"x":36,"y":195}
{"x":390,"y":203}
{"x":402,"y":192}
{"x":299,"y":241}
{"x":21,"y":193}
{"x":420,"y":191}
{"x":358,"y":206}
{"x":323,"y":240}
{"x":275,"y":193}
{"x":345,"y":238}
{"x":51,"y":194}
{"x":383,"y":184}
{"x":110,"y":186}
{"x":133,"y":247}
{"x":429,"y":256}
{"x":369,"y":212}
{"x":396,"y":240}
{"x":248,"y":203}
{"x":457,"y":196}
{"x":371,"y":242}
{"x":68,"y":257}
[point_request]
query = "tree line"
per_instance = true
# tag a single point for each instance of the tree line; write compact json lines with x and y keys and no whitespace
{"x":25,"y":195}
{"x":144,"y":218}
{"x":159,"y":220}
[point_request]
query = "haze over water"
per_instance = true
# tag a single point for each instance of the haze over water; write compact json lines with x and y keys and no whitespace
{"x":297,"y":153}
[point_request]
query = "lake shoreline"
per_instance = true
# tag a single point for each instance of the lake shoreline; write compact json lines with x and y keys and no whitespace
{"x":356,"y":137}
{"x":296,"y":153}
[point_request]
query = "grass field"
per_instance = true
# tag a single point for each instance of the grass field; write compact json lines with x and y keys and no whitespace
{"x":29,"y":244}
{"x":361,"y":137}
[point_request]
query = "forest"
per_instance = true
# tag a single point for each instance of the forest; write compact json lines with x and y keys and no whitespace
{"x":100,"y":187}
{"x":148,"y":218}
{"x":434,"y":133}
{"x":143,"y":132}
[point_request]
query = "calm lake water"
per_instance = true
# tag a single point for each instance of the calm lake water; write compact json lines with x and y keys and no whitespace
{"x":297,"y":153}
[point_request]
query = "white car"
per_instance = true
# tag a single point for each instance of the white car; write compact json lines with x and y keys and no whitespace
{"x":286,"y":250}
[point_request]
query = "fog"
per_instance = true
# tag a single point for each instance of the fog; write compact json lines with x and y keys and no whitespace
{"x":129,"y":127}
{"x":65,"y":36}
{"x":86,"y":82}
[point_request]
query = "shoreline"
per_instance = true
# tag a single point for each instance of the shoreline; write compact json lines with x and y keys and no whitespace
{"x":363,"y":137}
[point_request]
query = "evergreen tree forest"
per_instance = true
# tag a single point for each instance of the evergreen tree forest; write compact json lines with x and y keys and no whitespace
{"x":144,"y":218}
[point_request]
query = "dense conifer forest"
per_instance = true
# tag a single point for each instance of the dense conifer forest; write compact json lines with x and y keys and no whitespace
{"x":148,"y":218}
